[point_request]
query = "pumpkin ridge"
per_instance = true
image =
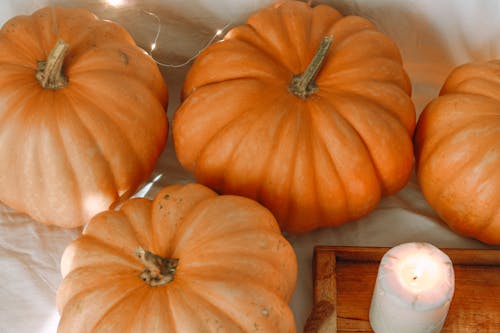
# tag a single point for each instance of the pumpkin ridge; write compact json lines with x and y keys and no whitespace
{"x":94,"y":61}
{"x":306,"y":125}
{"x":245,"y":134}
{"x":197,"y":215}
{"x":388,"y":51}
{"x":221,"y":310}
{"x":480,"y":225}
{"x":220,"y":277}
{"x":323,"y":146}
{"x":179,"y":200}
{"x":242,"y":116}
{"x":76,"y":41}
{"x":268,"y":160}
{"x":114,"y":248}
{"x":187,"y":94}
{"x":199,"y":271}
{"x":77,"y":180}
{"x":129,"y":257}
{"x":392,"y":121}
{"x":461,"y":169}
{"x":15,"y":48}
{"x":196,"y":297}
{"x":446,"y":134}
{"x":17,"y":67}
{"x":288,"y":117}
{"x":288,"y":26}
{"x":127,"y":295}
{"x":360,"y":137}
{"x":487,"y":71}
{"x":17,"y":97}
{"x":167,"y":301}
{"x":41,"y":155}
{"x":202,"y":244}
{"x":350,"y":75}
{"x":274,"y":50}
{"x":381,"y":108}
{"x":130,"y":318}
{"x":8,"y":136}
{"x":136,"y":86}
{"x":75,"y":55}
{"x":219,"y":300}
{"x":40,"y":26}
{"x":94,"y":283}
{"x":111,"y":121}
{"x":77,"y":298}
{"x":269,"y":51}
{"x":142,"y":241}
{"x":460,"y":89}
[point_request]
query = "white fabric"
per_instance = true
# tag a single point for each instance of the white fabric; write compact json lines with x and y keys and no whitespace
{"x":434,"y":36}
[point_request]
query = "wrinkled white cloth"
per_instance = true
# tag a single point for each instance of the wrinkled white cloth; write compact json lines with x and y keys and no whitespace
{"x":433,"y":36}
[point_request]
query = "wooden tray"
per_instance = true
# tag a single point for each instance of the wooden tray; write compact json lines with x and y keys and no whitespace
{"x":344,"y":278}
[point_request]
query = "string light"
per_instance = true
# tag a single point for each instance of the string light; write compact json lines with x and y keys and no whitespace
{"x":154,"y":43}
{"x":218,"y":33}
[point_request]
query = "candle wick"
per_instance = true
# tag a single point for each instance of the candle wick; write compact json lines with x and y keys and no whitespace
{"x":415,"y":277}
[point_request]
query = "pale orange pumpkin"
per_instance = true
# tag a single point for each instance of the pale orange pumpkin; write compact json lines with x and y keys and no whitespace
{"x":303,"y":109}
{"x":457,"y":147}
{"x":189,"y":261}
{"x":82,"y":130}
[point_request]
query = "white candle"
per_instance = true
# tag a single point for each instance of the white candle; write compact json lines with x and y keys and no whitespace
{"x":413,"y":290}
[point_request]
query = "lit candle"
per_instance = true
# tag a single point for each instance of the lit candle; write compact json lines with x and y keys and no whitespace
{"x":413,"y":290}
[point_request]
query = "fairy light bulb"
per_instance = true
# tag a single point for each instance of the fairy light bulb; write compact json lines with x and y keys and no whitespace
{"x":116,"y":3}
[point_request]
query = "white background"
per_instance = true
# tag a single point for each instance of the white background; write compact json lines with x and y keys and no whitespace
{"x":433,"y":36}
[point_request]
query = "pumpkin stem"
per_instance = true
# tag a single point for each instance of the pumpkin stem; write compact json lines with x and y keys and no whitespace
{"x":303,"y":84}
{"x":49,"y":73}
{"x":158,"y":271}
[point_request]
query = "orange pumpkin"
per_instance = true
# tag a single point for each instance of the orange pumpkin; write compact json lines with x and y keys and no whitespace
{"x":82,"y":115}
{"x":457,"y":147}
{"x":188,"y":261}
{"x":302,"y":109}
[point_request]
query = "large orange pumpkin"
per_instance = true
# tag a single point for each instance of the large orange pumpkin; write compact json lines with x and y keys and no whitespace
{"x":190,"y":261}
{"x":457,"y":146}
{"x":82,"y":118}
{"x":302,"y":109}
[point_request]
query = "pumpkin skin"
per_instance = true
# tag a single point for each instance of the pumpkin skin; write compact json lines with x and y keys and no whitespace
{"x":235,"y":271}
{"x":457,"y":148}
{"x":69,"y":153}
{"x":316,"y":161}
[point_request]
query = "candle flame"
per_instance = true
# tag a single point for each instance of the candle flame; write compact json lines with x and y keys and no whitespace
{"x":419,"y":269}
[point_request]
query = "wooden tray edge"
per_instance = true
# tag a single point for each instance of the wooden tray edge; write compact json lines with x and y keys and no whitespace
{"x":323,"y":317}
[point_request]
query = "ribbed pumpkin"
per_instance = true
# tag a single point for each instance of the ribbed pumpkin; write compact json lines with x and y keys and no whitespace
{"x":82,"y":118}
{"x":190,"y":261}
{"x":457,"y":145}
{"x":303,"y":109}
